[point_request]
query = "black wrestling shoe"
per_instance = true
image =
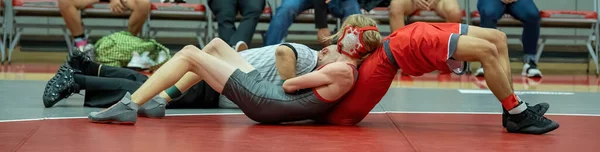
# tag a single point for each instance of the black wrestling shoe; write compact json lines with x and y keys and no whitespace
{"x":78,"y":59}
{"x":539,"y":108}
{"x":529,"y":122}
{"x":62,"y":85}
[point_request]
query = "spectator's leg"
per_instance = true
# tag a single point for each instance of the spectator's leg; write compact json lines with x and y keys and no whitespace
{"x":283,"y":19}
{"x":251,"y":11}
{"x":350,"y":7}
{"x":490,"y":12}
{"x":139,"y":14}
{"x":449,"y":10}
{"x":69,"y":9}
{"x":225,"y":13}
{"x":526,"y":12}
{"x":399,"y":9}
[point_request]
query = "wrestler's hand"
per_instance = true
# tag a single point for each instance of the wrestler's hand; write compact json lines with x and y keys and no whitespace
{"x":322,"y":35}
{"x":116,"y":6}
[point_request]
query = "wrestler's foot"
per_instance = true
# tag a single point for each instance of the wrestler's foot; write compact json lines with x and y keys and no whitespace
{"x":123,"y":112}
{"x":155,"y":108}
{"x":529,"y":122}
{"x":62,"y":85}
{"x":539,"y":108}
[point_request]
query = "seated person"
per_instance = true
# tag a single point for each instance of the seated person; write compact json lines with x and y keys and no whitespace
{"x":526,"y":12}
{"x":226,"y":12}
{"x":400,"y":9}
{"x":289,"y":9}
{"x":106,"y":85}
{"x":69,"y":9}
{"x":300,"y":98}
{"x":444,"y":47}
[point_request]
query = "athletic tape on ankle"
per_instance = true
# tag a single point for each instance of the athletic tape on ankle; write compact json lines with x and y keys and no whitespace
{"x":173,"y":92}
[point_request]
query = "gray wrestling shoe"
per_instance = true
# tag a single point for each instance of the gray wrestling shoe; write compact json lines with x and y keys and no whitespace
{"x":123,"y":112}
{"x":155,"y":108}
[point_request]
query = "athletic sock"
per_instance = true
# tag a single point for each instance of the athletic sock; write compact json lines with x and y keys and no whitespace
{"x":173,"y":92}
{"x":80,"y":40}
{"x":513,"y":104}
{"x":528,"y":57}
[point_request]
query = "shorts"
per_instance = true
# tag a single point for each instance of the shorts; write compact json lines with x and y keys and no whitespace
{"x":375,"y":75}
{"x":265,"y":102}
{"x":431,"y":48}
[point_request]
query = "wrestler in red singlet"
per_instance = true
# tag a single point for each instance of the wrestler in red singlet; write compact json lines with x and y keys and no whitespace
{"x":417,"y":49}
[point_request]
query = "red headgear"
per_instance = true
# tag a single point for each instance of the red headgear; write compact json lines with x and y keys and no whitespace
{"x":351,"y":43}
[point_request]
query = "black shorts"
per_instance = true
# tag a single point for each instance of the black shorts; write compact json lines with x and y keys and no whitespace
{"x":201,"y":95}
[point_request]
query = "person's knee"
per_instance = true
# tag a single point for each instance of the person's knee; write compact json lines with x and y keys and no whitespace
{"x":186,"y":52}
{"x":140,"y":5}
{"x":286,"y":12}
{"x":496,"y":37}
{"x":531,"y":16}
{"x":487,"y":53}
{"x":454,"y":15}
{"x":490,"y":14}
{"x":284,"y":52}
{"x":399,"y":7}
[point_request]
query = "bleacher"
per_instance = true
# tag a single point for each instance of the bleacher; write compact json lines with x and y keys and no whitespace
{"x":12,"y":29}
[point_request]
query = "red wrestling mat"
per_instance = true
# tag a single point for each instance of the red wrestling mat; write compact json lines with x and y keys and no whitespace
{"x":407,"y":132}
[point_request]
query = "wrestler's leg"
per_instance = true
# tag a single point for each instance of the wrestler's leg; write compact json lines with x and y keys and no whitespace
{"x":520,"y":117}
{"x":190,"y":59}
{"x":449,"y":10}
{"x":476,"y":49}
{"x":219,"y":49}
{"x":498,"y":38}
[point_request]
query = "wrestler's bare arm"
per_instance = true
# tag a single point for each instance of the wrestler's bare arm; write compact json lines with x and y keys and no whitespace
{"x":285,"y":61}
{"x":330,"y":74}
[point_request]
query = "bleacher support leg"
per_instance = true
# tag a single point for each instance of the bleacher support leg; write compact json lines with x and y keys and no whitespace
{"x":592,"y":54}
{"x":538,"y":55}
{"x":68,"y":39}
{"x":14,"y":44}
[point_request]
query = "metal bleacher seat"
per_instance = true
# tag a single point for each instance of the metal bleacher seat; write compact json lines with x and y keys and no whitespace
{"x":558,"y":19}
{"x":183,"y":12}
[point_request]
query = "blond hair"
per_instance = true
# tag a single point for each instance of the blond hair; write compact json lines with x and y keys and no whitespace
{"x":371,"y":39}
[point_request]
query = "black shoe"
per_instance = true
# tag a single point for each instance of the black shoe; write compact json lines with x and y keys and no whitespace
{"x":78,"y":59}
{"x":529,"y":122}
{"x":539,"y":108}
{"x":62,"y":85}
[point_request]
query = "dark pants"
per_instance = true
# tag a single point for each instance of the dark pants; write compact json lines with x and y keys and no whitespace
{"x":226,"y":12}
{"x":289,"y":9}
{"x":523,"y":10}
{"x":113,"y":82}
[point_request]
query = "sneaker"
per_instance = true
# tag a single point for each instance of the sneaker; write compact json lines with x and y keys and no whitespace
{"x":531,"y":70}
{"x":61,"y":86}
{"x":155,"y":108}
{"x":240,"y":46}
{"x":529,"y":122}
{"x":162,"y":57}
{"x":77,"y":59}
{"x":123,"y":112}
{"x":141,"y":61}
{"x":540,"y":108}
{"x":479,"y":72}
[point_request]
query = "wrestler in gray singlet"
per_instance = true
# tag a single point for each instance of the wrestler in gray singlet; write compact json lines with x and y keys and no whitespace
{"x":265,"y":102}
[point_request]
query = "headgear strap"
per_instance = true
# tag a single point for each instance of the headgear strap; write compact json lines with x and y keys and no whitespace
{"x":351,"y":43}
